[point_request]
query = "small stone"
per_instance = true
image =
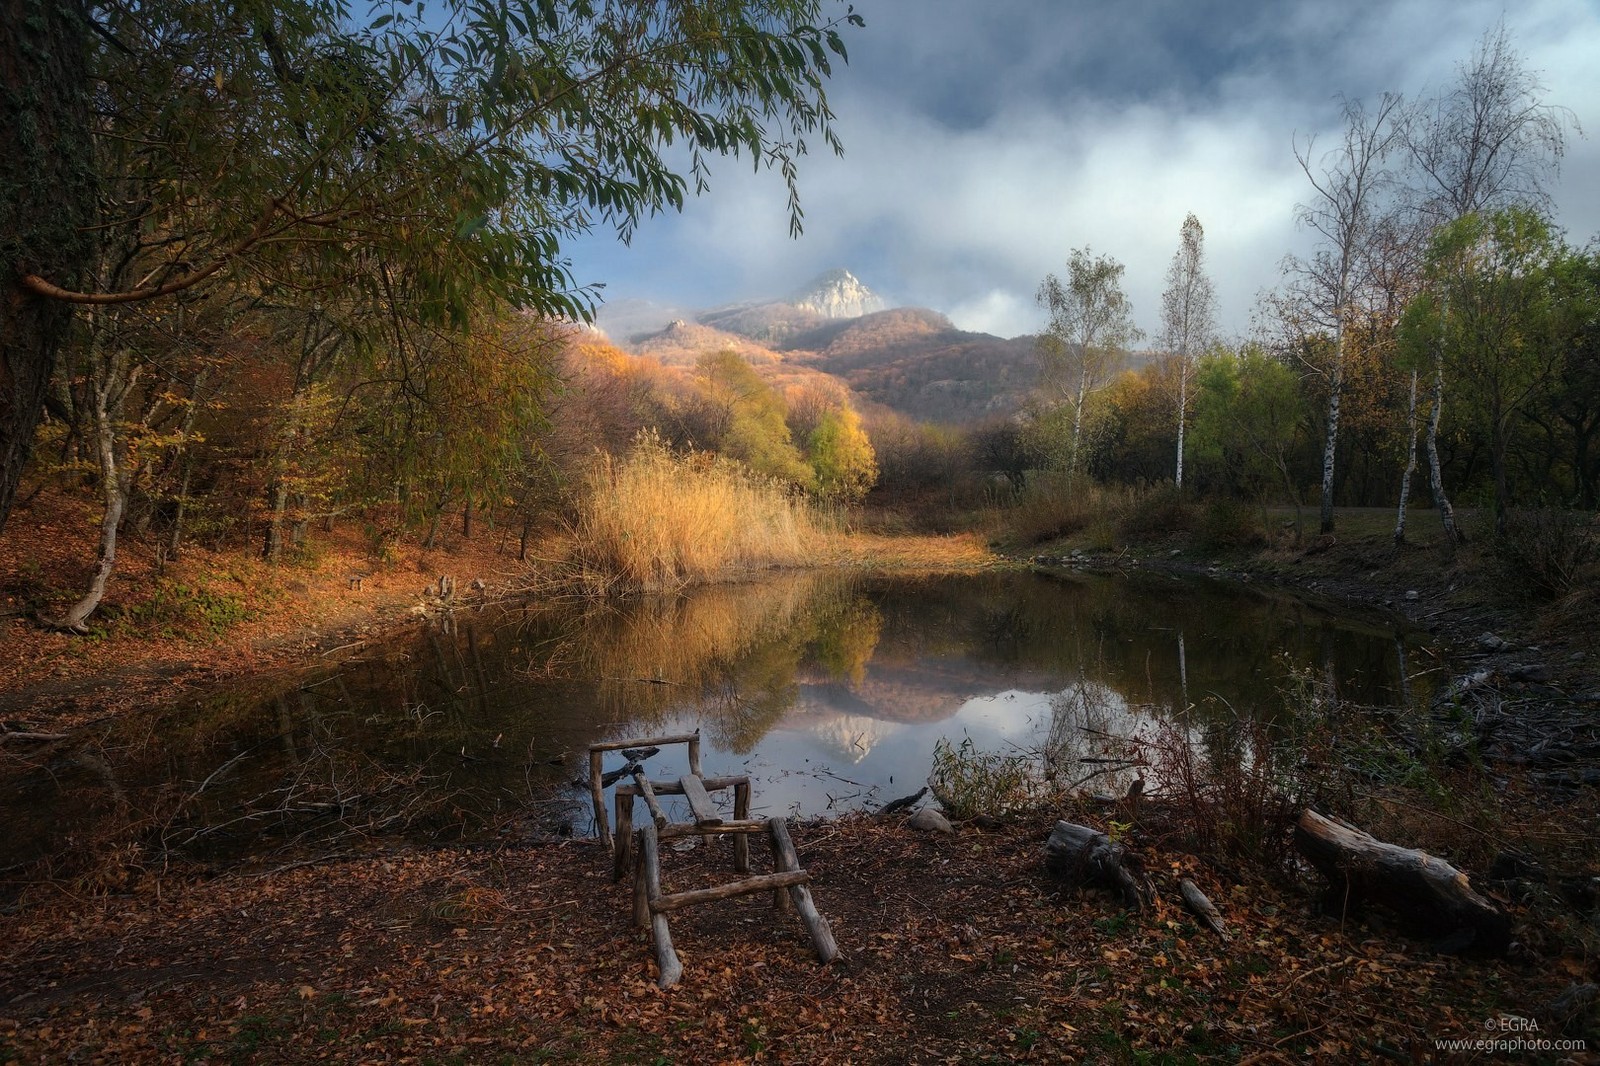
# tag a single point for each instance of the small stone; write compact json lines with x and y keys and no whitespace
{"x":1174,"y":553}
{"x":1412,"y":595}
{"x":1492,"y":642}
{"x":1576,"y":657}
{"x":929,"y":820}
{"x":1538,"y":673}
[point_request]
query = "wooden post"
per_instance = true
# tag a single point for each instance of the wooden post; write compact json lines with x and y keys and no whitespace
{"x":780,"y":898}
{"x":741,"y":812}
{"x":624,"y":848}
{"x":641,"y":894}
{"x":816,"y":924}
{"x":694,"y":790}
{"x":694,"y":754}
{"x":598,"y":795}
{"x":666,"y":958}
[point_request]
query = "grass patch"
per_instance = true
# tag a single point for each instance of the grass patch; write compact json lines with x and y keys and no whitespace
{"x":656,"y":519}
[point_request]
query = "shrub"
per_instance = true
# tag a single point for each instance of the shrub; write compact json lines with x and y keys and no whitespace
{"x":1157,"y":513}
{"x":969,"y":782}
{"x":1054,"y":504}
{"x":1549,"y":552}
{"x":194,"y":612}
{"x":1229,"y":523}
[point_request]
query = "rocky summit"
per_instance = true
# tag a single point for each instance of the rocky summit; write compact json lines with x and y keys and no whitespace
{"x":838,"y":294}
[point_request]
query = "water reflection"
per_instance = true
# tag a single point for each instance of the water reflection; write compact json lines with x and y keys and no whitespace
{"x":830,"y":689}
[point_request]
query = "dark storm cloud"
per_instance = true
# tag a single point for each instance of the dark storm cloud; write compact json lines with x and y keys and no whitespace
{"x":986,"y":140}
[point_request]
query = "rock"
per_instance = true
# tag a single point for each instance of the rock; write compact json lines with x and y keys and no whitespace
{"x":1412,"y":595}
{"x":929,"y":820}
{"x":1576,"y":657}
{"x":1538,"y":673}
{"x":1174,"y":553}
{"x":1491,"y":642}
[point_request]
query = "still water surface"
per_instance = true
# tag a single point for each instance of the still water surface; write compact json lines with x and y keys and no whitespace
{"x":830,"y":689}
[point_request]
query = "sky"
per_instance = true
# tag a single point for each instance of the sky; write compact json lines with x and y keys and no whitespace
{"x":987,"y":139}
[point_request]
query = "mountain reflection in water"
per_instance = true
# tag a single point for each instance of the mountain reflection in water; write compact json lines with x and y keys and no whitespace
{"x":831,"y":689}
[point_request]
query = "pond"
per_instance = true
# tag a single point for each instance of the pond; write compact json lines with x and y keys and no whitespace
{"x":830,"y":689}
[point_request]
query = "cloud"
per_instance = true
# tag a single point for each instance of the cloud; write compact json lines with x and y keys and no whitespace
{"x":984,"y":142}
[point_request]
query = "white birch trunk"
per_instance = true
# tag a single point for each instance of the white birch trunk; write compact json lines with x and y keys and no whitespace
{"x":1411,"y":465}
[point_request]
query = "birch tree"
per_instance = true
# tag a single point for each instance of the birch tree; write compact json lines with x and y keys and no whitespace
{"x":1188,"y":317}
{"x":1348,"y":181}
{"x":1091,"y":325}
{"x":1488,"y":141}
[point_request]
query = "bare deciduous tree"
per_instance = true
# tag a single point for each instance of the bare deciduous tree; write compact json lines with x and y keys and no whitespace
{"x":1349,"y":182}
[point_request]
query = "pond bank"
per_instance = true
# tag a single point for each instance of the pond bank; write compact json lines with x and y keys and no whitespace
{"x":214,"y":617}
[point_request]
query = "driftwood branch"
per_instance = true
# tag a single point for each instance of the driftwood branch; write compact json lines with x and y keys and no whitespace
{"x":1431,"y":895}
{"x":1202,"y":907}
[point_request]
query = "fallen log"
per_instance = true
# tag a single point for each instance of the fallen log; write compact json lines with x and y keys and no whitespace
{"x":1202,"y":907}
{"x":1431,"y":895}
{"x":1083,"y":856}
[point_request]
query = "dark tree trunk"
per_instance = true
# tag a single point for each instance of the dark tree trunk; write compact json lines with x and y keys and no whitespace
{"x":47,"y":207}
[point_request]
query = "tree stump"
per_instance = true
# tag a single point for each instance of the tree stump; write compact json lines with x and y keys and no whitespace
{"x":1082,"y":856}
{"x":1428,"y":893}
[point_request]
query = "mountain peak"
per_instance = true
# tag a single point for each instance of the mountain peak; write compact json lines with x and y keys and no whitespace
{"x":838,"y":294}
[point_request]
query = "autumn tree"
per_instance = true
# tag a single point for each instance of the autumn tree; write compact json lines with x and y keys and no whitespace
{"x":1348,"y":182}
{"x":1090,"y":327}
{"x":1502,"y":304}
{"x":842,"y":456}
{"x":1486,"y":142}
{"x":1188,"y":317}
{"x":745,"y":419}
{"x":386,"y":170}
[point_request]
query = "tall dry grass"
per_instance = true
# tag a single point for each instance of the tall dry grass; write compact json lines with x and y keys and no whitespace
{"x":654,"y":519}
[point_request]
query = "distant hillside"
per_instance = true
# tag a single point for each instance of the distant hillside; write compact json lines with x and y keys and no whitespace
{"x":914,"y":361}
{"x":910,"y":359}
{"x":683,"y":343}
{"x":771,"y":324}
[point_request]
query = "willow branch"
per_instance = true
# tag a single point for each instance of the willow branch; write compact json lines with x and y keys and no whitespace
{"x":39,"y":286}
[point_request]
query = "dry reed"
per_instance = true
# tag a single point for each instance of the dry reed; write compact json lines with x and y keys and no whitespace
{"x":655,"y":520}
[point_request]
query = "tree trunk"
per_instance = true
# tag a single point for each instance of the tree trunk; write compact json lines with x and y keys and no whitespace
{"x":1183,"y":409}
{"x":1428,"y":892}
{"x":110,"y":381}
{"x":1411,"y":465}
{"x":1447,"y":514}
{"x":1331,"y":443}
{"x":47,"y":208}
{"x":272,"y":548}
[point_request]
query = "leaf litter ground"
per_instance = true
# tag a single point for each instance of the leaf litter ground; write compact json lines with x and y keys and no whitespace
{"x":955,"y":949}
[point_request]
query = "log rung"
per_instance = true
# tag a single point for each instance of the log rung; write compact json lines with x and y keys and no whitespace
{"x":759,"y":883}
{"x":645,"y":742}
{"x":743,"y":827}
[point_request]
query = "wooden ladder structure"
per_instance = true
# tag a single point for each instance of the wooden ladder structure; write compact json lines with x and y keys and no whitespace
{"x":640,"y":849}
